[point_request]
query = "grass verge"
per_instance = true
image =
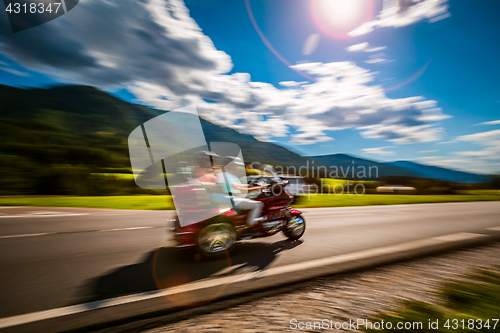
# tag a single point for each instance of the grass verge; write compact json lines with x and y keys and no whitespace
{"x":160,"y":202}
{"x":472,"y":305}
{"x":151,"y":202}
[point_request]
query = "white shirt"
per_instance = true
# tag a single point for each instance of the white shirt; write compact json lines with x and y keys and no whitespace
{"x":227,"y":181}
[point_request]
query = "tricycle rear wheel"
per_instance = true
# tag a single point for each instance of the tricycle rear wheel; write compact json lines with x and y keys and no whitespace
{"x":216,"y":239}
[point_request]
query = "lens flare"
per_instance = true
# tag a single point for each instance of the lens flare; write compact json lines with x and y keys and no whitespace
{"x":409,"y":80}
{"x":336,"y":18}
{"x":270,"y":47}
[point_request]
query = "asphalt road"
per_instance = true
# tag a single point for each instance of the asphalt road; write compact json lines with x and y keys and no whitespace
{"x":55,"y":257}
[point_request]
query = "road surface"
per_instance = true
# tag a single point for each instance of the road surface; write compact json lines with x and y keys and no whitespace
{"x":56,"y":257}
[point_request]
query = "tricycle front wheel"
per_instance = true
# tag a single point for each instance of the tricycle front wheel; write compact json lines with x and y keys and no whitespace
{"x":295,"y":227}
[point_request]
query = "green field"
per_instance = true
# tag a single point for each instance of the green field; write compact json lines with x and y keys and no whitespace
{"x":125,"y":176}
{"x":335,"y":181}
{"x":159,"y":202}
{"x":480,"y":192}
{"x":113,"y":202}
{"x":345,"y":200}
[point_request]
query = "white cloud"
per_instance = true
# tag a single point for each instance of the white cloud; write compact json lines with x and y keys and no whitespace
{"x":306,"y":138}
{"x":488,"y":154}
{"x":481,"y":138}
{"x":14,"y":71}
{"x":484,"y":159}
{"x":357,"y":47}
{"x":427,"y":151}
{"x":340,"y":98}
{"x":375,"y":60}
{"x":401,"y":134}
{"x":6,"y":68}
{"x":365,"y":47}
{"x":158,"y":52}
{"x":290,"y":84}
{"x":465,"y":164}
{"x":110,"y":45}
{"x":453,"y":163}
{"x":379,"y":151}
{"x":429,"y":158}
{"x":494,"y":122}
{"x":376,"y":49}
{"x":434,"y":117}
{"x":399,"y":13}
{"x":439,"y":18}
{"x":378,"y":58}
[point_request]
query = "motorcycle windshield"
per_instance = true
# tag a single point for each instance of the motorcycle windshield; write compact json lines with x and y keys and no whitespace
{"x":268,"y":170}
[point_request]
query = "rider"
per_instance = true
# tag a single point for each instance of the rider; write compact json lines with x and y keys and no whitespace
{"x":204,"y":172}
{"x":232,"y":186}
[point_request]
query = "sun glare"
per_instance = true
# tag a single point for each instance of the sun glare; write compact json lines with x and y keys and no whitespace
{"x":336,"y":18}
{"x":341,"y":7}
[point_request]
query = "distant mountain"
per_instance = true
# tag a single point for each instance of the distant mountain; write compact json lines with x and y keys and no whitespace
{"x":87,"y":117}
{"x":344,"y":161}
{"x":428,"y":171}
{"x":53,"y":139}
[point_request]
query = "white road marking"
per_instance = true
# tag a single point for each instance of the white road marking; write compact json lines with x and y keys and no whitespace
{"x":458,"y":236}
{"x":494,"y":228}
{"x":345,"y":222}
{"x":27,"y":235}
{"x":134,"y":228}
{"x":348,"y":214}
{"x":45,"y":213}
{"x":217,"y":282}
{"x":76,"y":231}
{"x":228,"y":270}
{"x":42,"y":214}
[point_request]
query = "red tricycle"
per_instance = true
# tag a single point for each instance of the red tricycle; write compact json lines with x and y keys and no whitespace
{"x":218,"y":235}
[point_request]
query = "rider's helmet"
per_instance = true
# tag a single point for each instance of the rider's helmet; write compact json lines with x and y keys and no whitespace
{"x":232,"y":160}
{"x":203,"y":158}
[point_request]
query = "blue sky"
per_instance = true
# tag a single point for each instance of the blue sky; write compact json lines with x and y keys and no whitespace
{"x":420,"y":78}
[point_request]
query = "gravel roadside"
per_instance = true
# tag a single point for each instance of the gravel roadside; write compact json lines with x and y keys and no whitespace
{"x":338,"y":298}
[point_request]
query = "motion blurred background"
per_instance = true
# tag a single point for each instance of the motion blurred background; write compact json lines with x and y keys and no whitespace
{"x":406,"y":90}
{"x":407,"y":86}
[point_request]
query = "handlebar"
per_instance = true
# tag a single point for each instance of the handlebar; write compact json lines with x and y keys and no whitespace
{"x":268,"y":182}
